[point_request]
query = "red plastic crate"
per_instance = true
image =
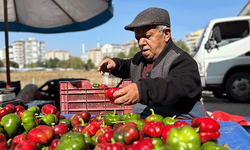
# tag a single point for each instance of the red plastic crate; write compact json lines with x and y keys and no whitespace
{"x":75,"y":96}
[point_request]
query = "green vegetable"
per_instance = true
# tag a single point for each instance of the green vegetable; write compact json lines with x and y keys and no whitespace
{"x":49,"y":120}
{"x":29,"y":120}
{"x":209,"y":145}
{"x":169,"y":120}
{"x":154,"y":117}
{"x":111,"y":118}
{"x":130,"y":116}
{"x":10,"y":123}
{"x":71,"y":141}
{"x":139,"y":123}
{"x":35,"y":109}
{"x":184,"y":138}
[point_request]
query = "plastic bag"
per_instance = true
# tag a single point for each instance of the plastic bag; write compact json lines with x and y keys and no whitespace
{"x":223,"y":116}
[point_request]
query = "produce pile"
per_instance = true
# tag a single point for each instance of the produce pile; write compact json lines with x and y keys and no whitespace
{"x":28,"y":130}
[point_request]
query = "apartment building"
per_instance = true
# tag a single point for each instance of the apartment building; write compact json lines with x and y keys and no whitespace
{"x":25,"y":52}
{"x":59,"y":54}
{"x":129,"y":45}
{"x":95,"y":55}
{"x":192,"y":40}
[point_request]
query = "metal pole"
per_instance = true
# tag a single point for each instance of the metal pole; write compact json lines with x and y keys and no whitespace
{"x":6,"y":29}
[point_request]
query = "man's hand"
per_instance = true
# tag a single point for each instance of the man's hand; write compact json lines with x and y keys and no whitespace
{"x":128,"y":95}
{"x":106,"y":66}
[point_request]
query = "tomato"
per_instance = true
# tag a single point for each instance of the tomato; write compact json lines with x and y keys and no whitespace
{"x":109,"y":94}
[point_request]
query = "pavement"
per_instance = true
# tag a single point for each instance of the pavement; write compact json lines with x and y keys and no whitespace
{"x":212,"y":103}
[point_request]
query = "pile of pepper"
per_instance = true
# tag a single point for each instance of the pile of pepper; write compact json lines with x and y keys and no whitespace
{"x":28,"y":130}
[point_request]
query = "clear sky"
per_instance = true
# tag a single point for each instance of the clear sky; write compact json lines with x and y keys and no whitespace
{"x":186,"y":16}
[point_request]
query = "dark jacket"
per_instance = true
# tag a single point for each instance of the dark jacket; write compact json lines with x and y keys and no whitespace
{"x":173,"y":82}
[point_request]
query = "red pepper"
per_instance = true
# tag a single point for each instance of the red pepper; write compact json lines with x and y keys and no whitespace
{"x":76,"y":119}
{"x":62,"y":117}
{"x":18,"y":108}
{"x":41,"y":134}
{"x":153,"y":128}
{"x":208,"y":128}
{"x":27,"y":145}
{"x":20,"y":113}
{"x":115,"y":146}
{"x":103,"y":128}
{"x":61,"y":129}
{"x":90,"y":129}
{"x":79,"y":127}
{"x":3,"y":112}
{"x":54,"y":144}
{"x":106,"y":136}
{"x":12,"y":145}
{"x":48,"y":109}
{"x":126,"y":134}
{"x":145,"y":144}
{"x":166,"y":132}
{"x":109,"y":94}
{"x":179,"y":124}
{"x":3,"y":142}
{"x":103,"y":86}
{"x":98,"y":119}
{"x":10,"y":108}
{"x":100,"y":146}
{"x":20,"y":138}
{"x":86,"y":115}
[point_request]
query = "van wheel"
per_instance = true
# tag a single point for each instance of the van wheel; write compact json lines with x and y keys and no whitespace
{"x":238,"y":87}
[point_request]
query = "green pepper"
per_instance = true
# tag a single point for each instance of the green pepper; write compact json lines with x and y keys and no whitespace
{"x":139,"y":123}
{"x":67,"y":122}
{"x":49,"y":120}
{"x":95,"y":85}
{"x":209,"y":145}
{"x":154,"y":117}
{"x":157,"y":141}
{"x":169,"y":120}
{"x":11,"y":122}
{"x":71,"y":141}
{"x":130,"y":116}
{"x":29,"y":120}
{"x":90,"y":142}
{"x":1,"y":130}
{"x":35,"y":109}
{"x":184,"y":138}
{"x":111,"y":118}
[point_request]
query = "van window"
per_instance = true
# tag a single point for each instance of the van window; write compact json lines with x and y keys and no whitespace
{"x":232,"y":31}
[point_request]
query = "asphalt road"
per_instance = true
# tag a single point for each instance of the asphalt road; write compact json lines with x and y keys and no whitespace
{"x":212,"y":104}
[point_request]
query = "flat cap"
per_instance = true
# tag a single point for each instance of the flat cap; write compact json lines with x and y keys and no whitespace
{"x":150,"y":16}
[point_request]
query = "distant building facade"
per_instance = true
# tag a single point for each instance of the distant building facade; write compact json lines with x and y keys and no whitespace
{"x":128,"y":45}
{"x":192,"y":40}
{"x":95,"y":56}
{"x":25,"y":52}
{"x":59,"y":54}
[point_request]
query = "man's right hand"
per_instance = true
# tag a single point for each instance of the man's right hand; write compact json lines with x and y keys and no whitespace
{"x":106,"y":66}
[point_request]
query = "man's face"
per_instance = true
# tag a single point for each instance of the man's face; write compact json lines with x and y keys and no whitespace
{"x":151,"y":41}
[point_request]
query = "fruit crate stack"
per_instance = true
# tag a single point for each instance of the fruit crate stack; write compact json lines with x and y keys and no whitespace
{"x":76,"y":96}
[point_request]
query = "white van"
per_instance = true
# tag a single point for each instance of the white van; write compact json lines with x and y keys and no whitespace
{"x":223,"y":57}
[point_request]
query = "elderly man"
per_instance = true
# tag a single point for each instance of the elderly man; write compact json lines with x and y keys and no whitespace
{"x":165,"y":78}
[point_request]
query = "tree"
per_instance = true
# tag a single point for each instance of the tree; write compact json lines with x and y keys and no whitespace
{"x":51,"y":63}
{"x":90,"y":64}
{"x":76,"y":63}
{"x":182,"y":45}
{"x":106,"y":57}
{"x":14,"y":64}
{"x":31,"y":65}
{"x":63,"y":64}
{"x":1,"y":64}
{"x":121,"y":55}
{"x":133,"y":51}
{"x":40,"y":64}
